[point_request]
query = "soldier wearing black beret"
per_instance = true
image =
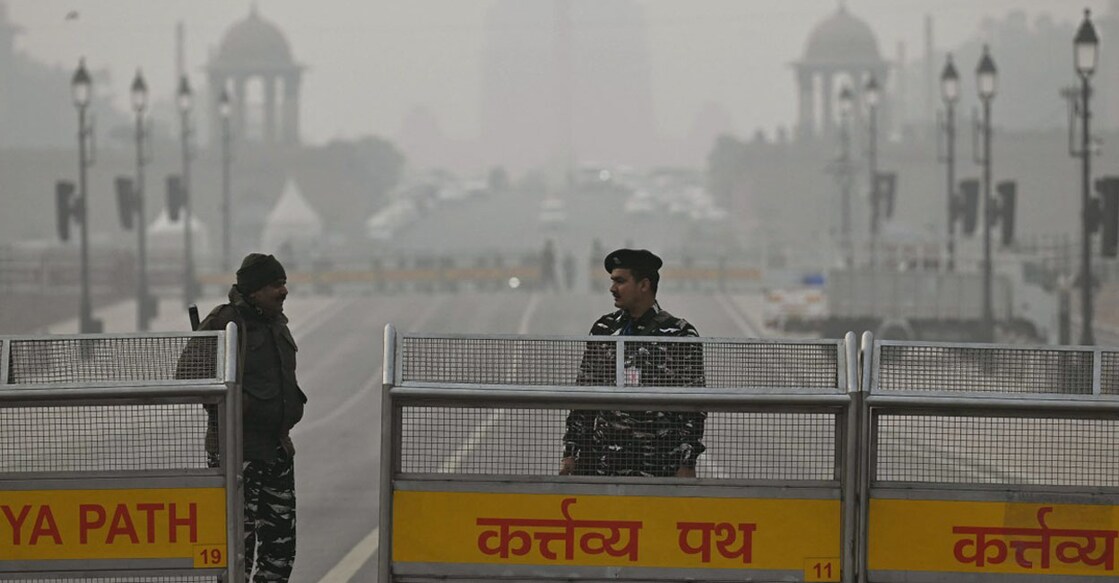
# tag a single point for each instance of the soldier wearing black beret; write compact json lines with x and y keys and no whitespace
{"x":637,"y":443}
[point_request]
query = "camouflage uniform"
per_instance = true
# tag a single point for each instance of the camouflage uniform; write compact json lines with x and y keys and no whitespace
{"x":272,"y":403}
{"x":638,"y":443}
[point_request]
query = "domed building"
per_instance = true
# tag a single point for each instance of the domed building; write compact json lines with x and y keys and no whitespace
{"x":254,"y":62}
{"x":842,"y":50}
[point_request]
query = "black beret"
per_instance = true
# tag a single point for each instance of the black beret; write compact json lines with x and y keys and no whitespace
{"x":640,"y":259}
{"x":258,"y":270}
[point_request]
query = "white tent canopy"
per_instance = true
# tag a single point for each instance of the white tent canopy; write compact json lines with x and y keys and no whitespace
{"x":291,"y":223}
{"x":165,"y":235}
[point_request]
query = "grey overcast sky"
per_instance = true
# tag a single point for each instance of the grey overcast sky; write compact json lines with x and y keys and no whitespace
{"x":371,"y":61}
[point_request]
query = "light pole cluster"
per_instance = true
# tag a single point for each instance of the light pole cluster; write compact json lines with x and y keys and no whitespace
{"x":73,"y":206}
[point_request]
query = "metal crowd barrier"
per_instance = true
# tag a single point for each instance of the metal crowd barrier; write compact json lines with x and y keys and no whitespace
{"x":118,"y":460}
{"x":472,"y":432}
{"x":990,"y":463}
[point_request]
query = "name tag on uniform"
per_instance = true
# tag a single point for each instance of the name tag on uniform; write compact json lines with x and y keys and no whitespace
{"x":633,"y":376}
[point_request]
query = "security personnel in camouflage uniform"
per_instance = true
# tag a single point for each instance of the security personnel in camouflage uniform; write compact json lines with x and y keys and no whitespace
{"x":637,"y":443}
{"x":272,"y":403}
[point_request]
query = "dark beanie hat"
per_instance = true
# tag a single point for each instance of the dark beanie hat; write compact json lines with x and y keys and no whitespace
{"x":257,"y":271}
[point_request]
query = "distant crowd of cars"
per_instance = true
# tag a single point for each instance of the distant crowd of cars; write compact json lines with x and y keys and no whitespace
{"x":411,"y":202}
{"x":672,"y":193}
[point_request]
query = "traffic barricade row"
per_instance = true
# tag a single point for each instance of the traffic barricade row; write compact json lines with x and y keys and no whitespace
{"x":117,"y":457}
{"x":844,"y":460}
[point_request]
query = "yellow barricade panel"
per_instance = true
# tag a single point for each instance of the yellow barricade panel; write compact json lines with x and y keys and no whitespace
{"x":44,"y":525}
{"x":993,"y":537}
{"x":616,"y":531}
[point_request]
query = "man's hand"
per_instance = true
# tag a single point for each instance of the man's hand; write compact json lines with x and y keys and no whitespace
{"x":685,"y":472}
{"x":568,"y":466}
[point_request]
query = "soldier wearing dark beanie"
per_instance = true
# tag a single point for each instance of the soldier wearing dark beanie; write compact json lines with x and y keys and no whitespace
{"x":272,"y":403}
{"x":258,"y":270}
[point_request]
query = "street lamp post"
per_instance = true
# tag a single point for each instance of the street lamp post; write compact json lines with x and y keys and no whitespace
{"x":143,"y":302}
{"x":225,"y":110}
{"x":950,"y":92}
{"x":846,"y":103}
{"x":82,"y":89}
{"x":185,"y":100}
{"x":986,"y":78}
{"x":1085,"y":52}
{"x":872,"y":96}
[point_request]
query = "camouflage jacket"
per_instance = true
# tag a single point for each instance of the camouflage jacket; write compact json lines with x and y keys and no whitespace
{"x":638,"y":443}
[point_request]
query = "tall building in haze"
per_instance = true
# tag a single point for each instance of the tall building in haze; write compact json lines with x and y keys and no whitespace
{"x":566,"y":81}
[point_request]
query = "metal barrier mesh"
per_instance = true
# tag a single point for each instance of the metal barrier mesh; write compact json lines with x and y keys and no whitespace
{"x":997,"y":450}
{"x":1109,"y":373}
{"x":491,"y":361}
{"x":771,"y":365}
{"x":983,"y":369}
{"x":554,"y":362}
{"x":103,"y":438}
{"x":113,"y":359}
{"x":753,"y":446}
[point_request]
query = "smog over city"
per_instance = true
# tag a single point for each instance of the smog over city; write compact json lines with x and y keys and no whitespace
{"x":374,"y":103}
{"x":802,"y":171}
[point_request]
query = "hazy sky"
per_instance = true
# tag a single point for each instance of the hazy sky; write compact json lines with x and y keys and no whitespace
{"x":370,"y":61}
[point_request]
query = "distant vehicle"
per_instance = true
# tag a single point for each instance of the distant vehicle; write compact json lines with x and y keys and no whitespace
{"x":553,"y":211}
{"x":932,"y":305}
{"x":641,"y":203}
{"x":384,"y":224}
{"x":595,"y":178}
{"x":794,"y":309}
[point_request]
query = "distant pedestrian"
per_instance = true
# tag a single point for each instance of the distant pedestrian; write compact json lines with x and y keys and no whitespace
{"x":569,"y":271}
{"x":597,"y":252}
{"x":548,"y":277}
{"x":637,"y":443}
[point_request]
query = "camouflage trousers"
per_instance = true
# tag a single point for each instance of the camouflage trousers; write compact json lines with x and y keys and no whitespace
{"x":269,"y":519}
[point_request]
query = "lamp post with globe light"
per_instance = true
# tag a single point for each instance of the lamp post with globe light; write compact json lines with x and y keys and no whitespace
{"x":1085,"y":54}
{"x":144,"y":305}
{"x":872,"y":95}
{"x":225,"y":110}
{"x":950,"y":93}
{"x":846,"y":104}
{"x":185,"y":102}
{"x":81,"y":86}
{"x":987,"y":81}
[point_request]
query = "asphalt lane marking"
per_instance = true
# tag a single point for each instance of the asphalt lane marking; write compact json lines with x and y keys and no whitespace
{"x":451,"y":464}
{"x":748,"y":329}
{"x":352,"y":562}
{"x":530,"y":311}
{"x":363,"y":550}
